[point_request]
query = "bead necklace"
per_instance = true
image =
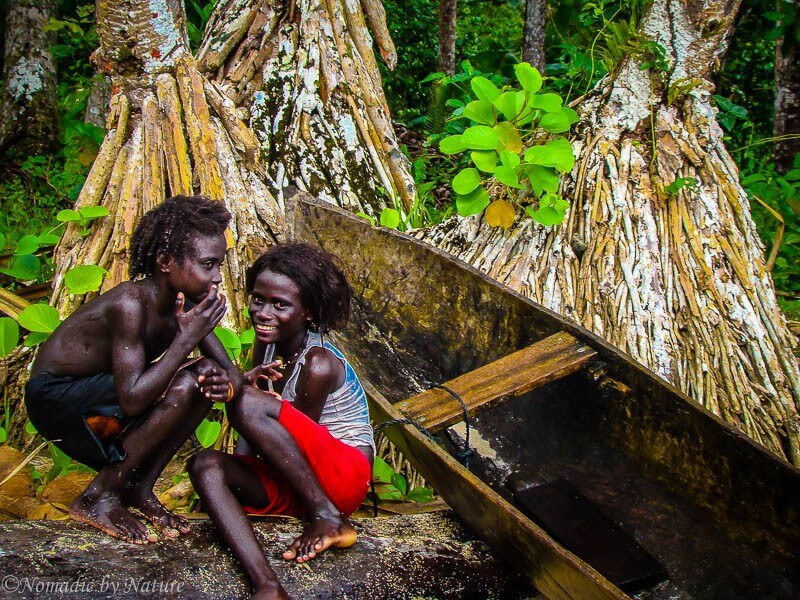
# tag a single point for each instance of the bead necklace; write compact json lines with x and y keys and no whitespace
{"x":285,"y":364}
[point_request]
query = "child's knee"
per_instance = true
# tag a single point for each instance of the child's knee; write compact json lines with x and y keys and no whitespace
{"x":250,"y":407}
{"x":184,"y":388}
{"x":204,"y":464}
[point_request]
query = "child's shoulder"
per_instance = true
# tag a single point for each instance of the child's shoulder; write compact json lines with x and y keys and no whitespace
{"x":127,"y":298}
{"x":322,"y":362}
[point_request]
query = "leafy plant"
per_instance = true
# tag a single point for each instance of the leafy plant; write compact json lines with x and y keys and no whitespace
{"x":208,"y":432}
{"x":782,"y":194}
{"x":83,"y":217}
{"x":393,"y":487}
{"x":513,"y":144}
{"x":729,"y":113}
{"x":680,"y":183}
{"x":196,"y":21}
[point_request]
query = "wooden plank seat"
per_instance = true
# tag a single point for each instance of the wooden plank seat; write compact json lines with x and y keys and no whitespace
{"x":513,"y":375}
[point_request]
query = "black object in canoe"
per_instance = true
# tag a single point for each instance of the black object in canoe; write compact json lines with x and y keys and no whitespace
{"x":565,"y":429}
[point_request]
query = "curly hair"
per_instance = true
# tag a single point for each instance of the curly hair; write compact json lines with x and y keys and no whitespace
{"x":166,"y":229}
{"x":317,"y":274}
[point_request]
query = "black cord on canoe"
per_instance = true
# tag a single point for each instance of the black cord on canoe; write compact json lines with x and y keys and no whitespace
{"x":463,"y":456}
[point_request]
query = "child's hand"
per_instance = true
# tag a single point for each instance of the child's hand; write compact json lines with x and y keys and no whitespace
{"x":215,"y":385}
{"x":267,"y":372}
{"x":200,"y":320}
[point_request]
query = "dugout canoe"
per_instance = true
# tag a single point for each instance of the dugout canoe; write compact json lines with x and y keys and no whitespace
{"x":589,"y":473}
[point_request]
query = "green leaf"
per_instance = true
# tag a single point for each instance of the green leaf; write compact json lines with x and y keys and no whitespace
{"x":400,"y":483}
{"x":485,"y":160}
{"x":30,"y":429}
{"x":247,"y":337}
{"x":93,"y":212}
{"x":484,"y":89}
{"x":556,"y":153}
{"x":381,"y":471}
{"x":48,"y":239}
{"x":421,"y":494}
{"x":369,"y":218}
{"x":9,"y":336}
{"x":529,"y":77}
{"x":479,"y":137}
{"x":389,"y":492}
{"x":555,"y":122}
{"x":452,"y":145}
{"x":508,"y":176}
{"x":754,"y":178}
{"x":39,"y":317}
{"x":546,"y":216}
{"x":3,"y":435}
{"x":2,"y":240}
{"x":509,"y":159}
{"x":547,"y":102}
{"x":60,"y":458}
{"x":508,"y":137}
{"x":28,"y":244}
{"x":543,"y":179}
{"x":390,"y":217}
{"x":84,"y":278}
{"x":434,"y":77}
{"x":480,"y":111}
{"x":473,"y":203}
{"x":552,"y":208}
{"x":230,"y":341}
{"x":24,"y":268}
{"x":35,"y":338}
{"x":68,"y":216}
{"x":507,"y":104}
{"x":466,"y":180}
{"x":207,"y":432}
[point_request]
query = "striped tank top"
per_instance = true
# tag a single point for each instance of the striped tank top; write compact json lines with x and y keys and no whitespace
{"x":345,"y":413}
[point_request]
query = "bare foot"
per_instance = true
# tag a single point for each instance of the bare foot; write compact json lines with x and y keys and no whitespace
{"x":106,"y":512}
{"x":146,"y":502}
{"x":318,"y":536}
{"x":271,"y":592}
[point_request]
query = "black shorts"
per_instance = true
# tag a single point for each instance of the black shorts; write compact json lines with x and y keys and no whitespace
{"x":59,"y":406}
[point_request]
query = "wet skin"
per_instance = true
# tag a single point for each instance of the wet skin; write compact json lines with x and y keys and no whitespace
{"x":225,"y":483}
{"x":122,"y":332}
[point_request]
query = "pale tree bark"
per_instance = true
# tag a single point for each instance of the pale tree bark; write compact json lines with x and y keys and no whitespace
{"x":28,"y":118}
{"x":98,"y":101}
{"x":170,"y":131}
{"x":306,"y":75}
{"x":448,"y":11}
{"x":787,"y":96}
{"x":676,"y":280}
{"x":533,"y":33}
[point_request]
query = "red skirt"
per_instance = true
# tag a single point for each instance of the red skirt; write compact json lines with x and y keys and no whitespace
{"x":343,"y":472}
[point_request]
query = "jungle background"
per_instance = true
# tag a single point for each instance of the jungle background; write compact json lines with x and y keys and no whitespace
{"x":43,"y":167}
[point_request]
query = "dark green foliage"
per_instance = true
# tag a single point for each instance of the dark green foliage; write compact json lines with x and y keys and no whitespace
{"x":413,"y":25}
{"x":35,"y":188}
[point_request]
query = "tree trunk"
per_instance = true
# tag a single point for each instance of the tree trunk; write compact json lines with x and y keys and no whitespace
{"x":28,"y":118}
{"x":533,"y":33}
{"x":170,"y":131}
{"x":306,"y":74}
{"x":447,"y":35}
{"x":98,"y":101}
{"x":677,"y":280}
{"x":787,"y":96}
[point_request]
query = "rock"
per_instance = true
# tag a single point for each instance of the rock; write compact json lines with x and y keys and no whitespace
{"x":408,"y":556}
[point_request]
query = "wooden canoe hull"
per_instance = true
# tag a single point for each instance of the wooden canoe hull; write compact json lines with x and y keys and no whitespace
{"x":673,"y":474}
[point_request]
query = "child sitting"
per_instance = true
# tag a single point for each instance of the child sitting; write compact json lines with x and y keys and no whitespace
{"x":109,"y":388}
{"x":313,"y":444}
